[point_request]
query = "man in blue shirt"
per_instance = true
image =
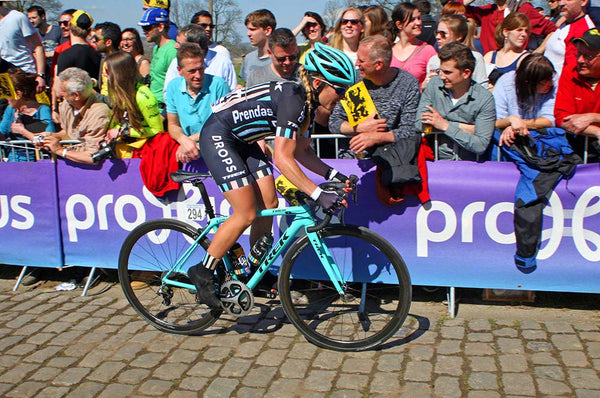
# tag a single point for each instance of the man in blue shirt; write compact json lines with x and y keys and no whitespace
{"x":188,"y":100}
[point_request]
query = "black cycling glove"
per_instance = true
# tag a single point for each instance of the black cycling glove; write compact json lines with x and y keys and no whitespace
{"x":329,"y":201}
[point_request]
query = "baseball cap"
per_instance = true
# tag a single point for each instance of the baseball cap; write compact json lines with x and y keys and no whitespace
{"x":154,"y":15}
{"x":590,"y":38}
{"x":541,"y":4}
{"x":82,"y":19}
{"x":164,"y":4}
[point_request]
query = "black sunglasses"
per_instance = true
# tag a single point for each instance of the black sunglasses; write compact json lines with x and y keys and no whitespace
{"x":207,"y":25}
{"x":63,"y":23}
{"x":339,"y":90}
{"x":292,"y":58}
{"x":441,"y":33}
{"x":310,"y":24}
{"x":148,"y":28}
{"x":352,"y":21}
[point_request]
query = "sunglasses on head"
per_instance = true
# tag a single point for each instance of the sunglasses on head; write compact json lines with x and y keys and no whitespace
{"x":291,"y":58}
{"x":339,"y":90}
{"x":352,"y":21}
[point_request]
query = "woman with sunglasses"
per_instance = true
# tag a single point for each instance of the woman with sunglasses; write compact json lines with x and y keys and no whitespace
{"x":312,"y":27}
{"x":348,"y":32}
{"x":131,"y":42}
{"x":455,"y":28}
{"x":409,"y":53}
{"x":228,"y":142}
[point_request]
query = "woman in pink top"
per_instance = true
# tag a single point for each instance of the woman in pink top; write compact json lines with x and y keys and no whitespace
{"x":409,"y":53}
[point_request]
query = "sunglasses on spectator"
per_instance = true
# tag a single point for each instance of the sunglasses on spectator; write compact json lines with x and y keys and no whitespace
{"x":95,"y":39}
{"x":352,"y":21}
{"x":148,"y":28}
{"x":63,"y":23}
{"x":291,"y":58}
{"x":587,"y":57}
{"x":339,"y":90}
{"x":310,"y":24}
{"x":207,"y":25}
{"x":442,"y":34}
{"x":552,"y":1}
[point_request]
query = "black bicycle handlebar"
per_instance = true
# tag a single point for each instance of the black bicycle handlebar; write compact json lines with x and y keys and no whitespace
{"x":337,"y":187}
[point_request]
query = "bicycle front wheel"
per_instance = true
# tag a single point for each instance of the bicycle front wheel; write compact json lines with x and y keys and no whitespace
{"x":376,"y":296}
{"x":150,"y":251}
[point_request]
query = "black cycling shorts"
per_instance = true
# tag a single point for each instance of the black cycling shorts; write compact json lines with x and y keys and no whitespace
{"x":232,"y":162}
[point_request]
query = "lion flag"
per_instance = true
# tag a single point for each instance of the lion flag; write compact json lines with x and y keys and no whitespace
{"x":7,"y":90}
{"x":358,"y":104}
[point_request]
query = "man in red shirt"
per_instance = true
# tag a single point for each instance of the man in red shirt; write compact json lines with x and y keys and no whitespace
{"x":577,"y":107}
{"x":491,"y":15}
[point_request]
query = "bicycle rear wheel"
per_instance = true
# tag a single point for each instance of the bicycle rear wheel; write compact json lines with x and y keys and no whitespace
{"x":148,"y":253}
{"x":376,"y":299}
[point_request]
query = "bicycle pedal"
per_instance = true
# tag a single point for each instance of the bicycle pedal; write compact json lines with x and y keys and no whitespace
{"x":265,"y":293}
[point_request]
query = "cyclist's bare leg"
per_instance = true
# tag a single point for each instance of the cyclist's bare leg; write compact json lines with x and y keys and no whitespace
{"x":266,"y":198}
{"x":243,"y":204}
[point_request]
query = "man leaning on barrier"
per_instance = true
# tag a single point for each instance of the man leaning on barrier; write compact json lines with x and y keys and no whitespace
{"x":82,"y":115}
{"x":395,"y":94}
{"x":577,"y":107}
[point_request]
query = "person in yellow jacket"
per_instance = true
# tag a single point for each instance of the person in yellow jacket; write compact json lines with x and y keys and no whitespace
{"x":135,"y":115}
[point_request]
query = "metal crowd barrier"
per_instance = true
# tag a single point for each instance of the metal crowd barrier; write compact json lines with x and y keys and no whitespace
{"x":496,"y":156}
{"x":20,"y":151}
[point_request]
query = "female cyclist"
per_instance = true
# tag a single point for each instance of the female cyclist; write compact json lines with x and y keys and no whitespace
{"x":229,"y":146}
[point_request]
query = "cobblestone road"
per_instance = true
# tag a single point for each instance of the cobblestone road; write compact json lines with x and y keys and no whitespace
{"x":58,"y":344}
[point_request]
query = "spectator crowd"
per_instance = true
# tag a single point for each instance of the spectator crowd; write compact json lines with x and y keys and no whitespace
{"x":511,"y":66}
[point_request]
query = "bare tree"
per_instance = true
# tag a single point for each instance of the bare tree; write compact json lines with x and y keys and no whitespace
{"x":226,"y":17}
{"x":53,"y":7}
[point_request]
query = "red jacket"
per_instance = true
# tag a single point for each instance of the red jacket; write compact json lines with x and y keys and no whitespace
{"x":489,"y":16}
{"x":574,"y":95}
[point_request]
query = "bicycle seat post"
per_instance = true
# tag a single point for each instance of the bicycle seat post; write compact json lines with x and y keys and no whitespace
{"x":210,"y":211}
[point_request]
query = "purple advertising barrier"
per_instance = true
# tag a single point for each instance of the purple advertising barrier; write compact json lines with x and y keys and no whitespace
{"x":101,"y":204}
{"x":29,"y":221}
{"x":463,"y":238}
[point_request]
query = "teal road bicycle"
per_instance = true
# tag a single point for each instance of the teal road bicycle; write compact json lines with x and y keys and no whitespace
{"x":344,"y":287}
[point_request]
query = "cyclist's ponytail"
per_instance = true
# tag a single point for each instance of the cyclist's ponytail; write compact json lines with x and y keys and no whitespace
{"x":311,"y":96}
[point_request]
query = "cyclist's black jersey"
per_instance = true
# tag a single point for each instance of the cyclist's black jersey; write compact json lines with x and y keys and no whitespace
{"x":262,"y":110}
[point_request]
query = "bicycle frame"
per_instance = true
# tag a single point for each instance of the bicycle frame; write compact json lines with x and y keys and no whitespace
{"x":302,"y":220}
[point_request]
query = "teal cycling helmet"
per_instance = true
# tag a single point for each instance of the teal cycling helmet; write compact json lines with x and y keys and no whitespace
{"x":331,"y":63}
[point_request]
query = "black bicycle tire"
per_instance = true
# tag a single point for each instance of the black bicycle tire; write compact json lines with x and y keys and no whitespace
{"x":316,"y":337}
{"x":206,"y":319}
